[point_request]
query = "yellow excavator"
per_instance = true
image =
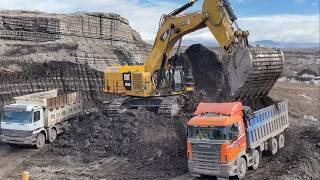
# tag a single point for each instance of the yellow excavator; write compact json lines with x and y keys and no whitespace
{"x":157,"y":83}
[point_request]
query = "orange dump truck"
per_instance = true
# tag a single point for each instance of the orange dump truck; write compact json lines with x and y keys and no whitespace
{"x":224,"y":139}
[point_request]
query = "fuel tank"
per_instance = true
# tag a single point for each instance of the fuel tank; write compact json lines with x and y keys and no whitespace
{"x":253,"y":71}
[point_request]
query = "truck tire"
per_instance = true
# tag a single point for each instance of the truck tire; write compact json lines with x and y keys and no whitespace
{"x":41,"y":140}
{"x":67,"y":127}
{"x":52,"y":135}
{"x":255,"y":159}
{"x":273,"y":147}
{"x":281,"y":141}
{"x":241,"y":168}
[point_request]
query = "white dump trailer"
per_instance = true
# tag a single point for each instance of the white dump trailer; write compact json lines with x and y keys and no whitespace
{"x":36,"y":118}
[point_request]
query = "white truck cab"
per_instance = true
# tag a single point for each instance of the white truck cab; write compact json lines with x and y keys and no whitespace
{"x":21,"y":123}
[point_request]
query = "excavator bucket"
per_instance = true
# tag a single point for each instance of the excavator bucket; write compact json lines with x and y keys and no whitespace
{"x":252,"y":71}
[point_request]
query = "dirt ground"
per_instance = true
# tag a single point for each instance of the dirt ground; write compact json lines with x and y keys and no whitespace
{"x":142,"y":145}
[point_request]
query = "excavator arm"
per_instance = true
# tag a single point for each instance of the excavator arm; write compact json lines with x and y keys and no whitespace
{"x":217,"y":15}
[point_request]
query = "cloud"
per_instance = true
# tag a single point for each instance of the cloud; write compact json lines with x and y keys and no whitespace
{"x":144,"y":16}
{"x":287,"y":28}
{"x":284,"y":28}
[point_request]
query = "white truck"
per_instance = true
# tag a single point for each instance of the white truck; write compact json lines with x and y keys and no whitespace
{"x":36,"y":118}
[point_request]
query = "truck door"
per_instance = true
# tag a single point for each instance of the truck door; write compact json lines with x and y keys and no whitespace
{"x":37,"y":122}
{"x":237,"y":135}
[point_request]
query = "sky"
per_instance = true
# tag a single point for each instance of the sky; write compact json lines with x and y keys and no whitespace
{"x":294,"y":21}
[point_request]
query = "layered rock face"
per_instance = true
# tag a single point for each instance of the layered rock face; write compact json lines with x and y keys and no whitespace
{"x":98,"y":39}
{"x":49,"y":27}
{"x":41,"y":51}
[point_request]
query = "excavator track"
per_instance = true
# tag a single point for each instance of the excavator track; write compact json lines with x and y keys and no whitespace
{"x":169,"y":106}
{"x":166,"y":106}
{"x":253,"y":71}
{"x":116,"y":107}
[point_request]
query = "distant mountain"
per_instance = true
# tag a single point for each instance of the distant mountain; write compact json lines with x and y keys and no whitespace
{"x":269,"y":43}
{"x":262,"y":43}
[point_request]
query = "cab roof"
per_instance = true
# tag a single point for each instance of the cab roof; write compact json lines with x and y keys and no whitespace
{"x":19,"y":107}
{"x":205,"y":120}
{"x":219,"y":108}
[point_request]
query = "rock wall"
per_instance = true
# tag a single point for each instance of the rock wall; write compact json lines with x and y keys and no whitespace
{"x":50,"y":27}
{"x":29,"y":28}
{"x":37,"y":77}
{"x":96,"y":39}
{"x":41,"y":51}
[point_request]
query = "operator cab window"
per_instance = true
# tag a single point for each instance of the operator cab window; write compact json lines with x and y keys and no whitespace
{"x":36,"y":116}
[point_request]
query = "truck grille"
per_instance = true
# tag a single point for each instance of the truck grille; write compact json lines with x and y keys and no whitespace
{"x":14,"y":133}
{"x":206,"y":156}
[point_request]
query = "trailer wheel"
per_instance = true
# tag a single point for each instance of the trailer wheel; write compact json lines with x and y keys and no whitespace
{"x":255,"y":159}
{"x":41,"y":140}
{"x":241,"y":168}
{"x":273,"y":146}
{"x":52,"y":135}
{"x":281,"y":141}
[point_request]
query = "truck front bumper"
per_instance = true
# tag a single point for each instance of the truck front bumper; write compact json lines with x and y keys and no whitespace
{"x":218,"y":170}
{"x":18,"y":140}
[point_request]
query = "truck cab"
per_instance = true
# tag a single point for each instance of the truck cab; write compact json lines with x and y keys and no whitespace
{"x":216,"y":138}
{"x":20,"y":124}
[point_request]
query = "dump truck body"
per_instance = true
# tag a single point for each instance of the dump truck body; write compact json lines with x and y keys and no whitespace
{"x":38,"y":117}
{"x":224,"y":139}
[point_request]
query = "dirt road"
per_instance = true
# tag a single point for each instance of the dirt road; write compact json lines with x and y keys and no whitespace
{"x":10,"y":158}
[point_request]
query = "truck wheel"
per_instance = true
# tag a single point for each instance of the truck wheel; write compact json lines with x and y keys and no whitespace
{"x":67,"y":127}
{"x":52,"y":135}
{"x":255,"y":159}
{"x":273,"y":146}
{"x":241,"y":168}
{"x":281,"y":141}
{"x":41,"y":140}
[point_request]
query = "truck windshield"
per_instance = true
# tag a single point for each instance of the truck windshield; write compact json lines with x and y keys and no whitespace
{"x":16,"y":117}
{"x":208,"y":133}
